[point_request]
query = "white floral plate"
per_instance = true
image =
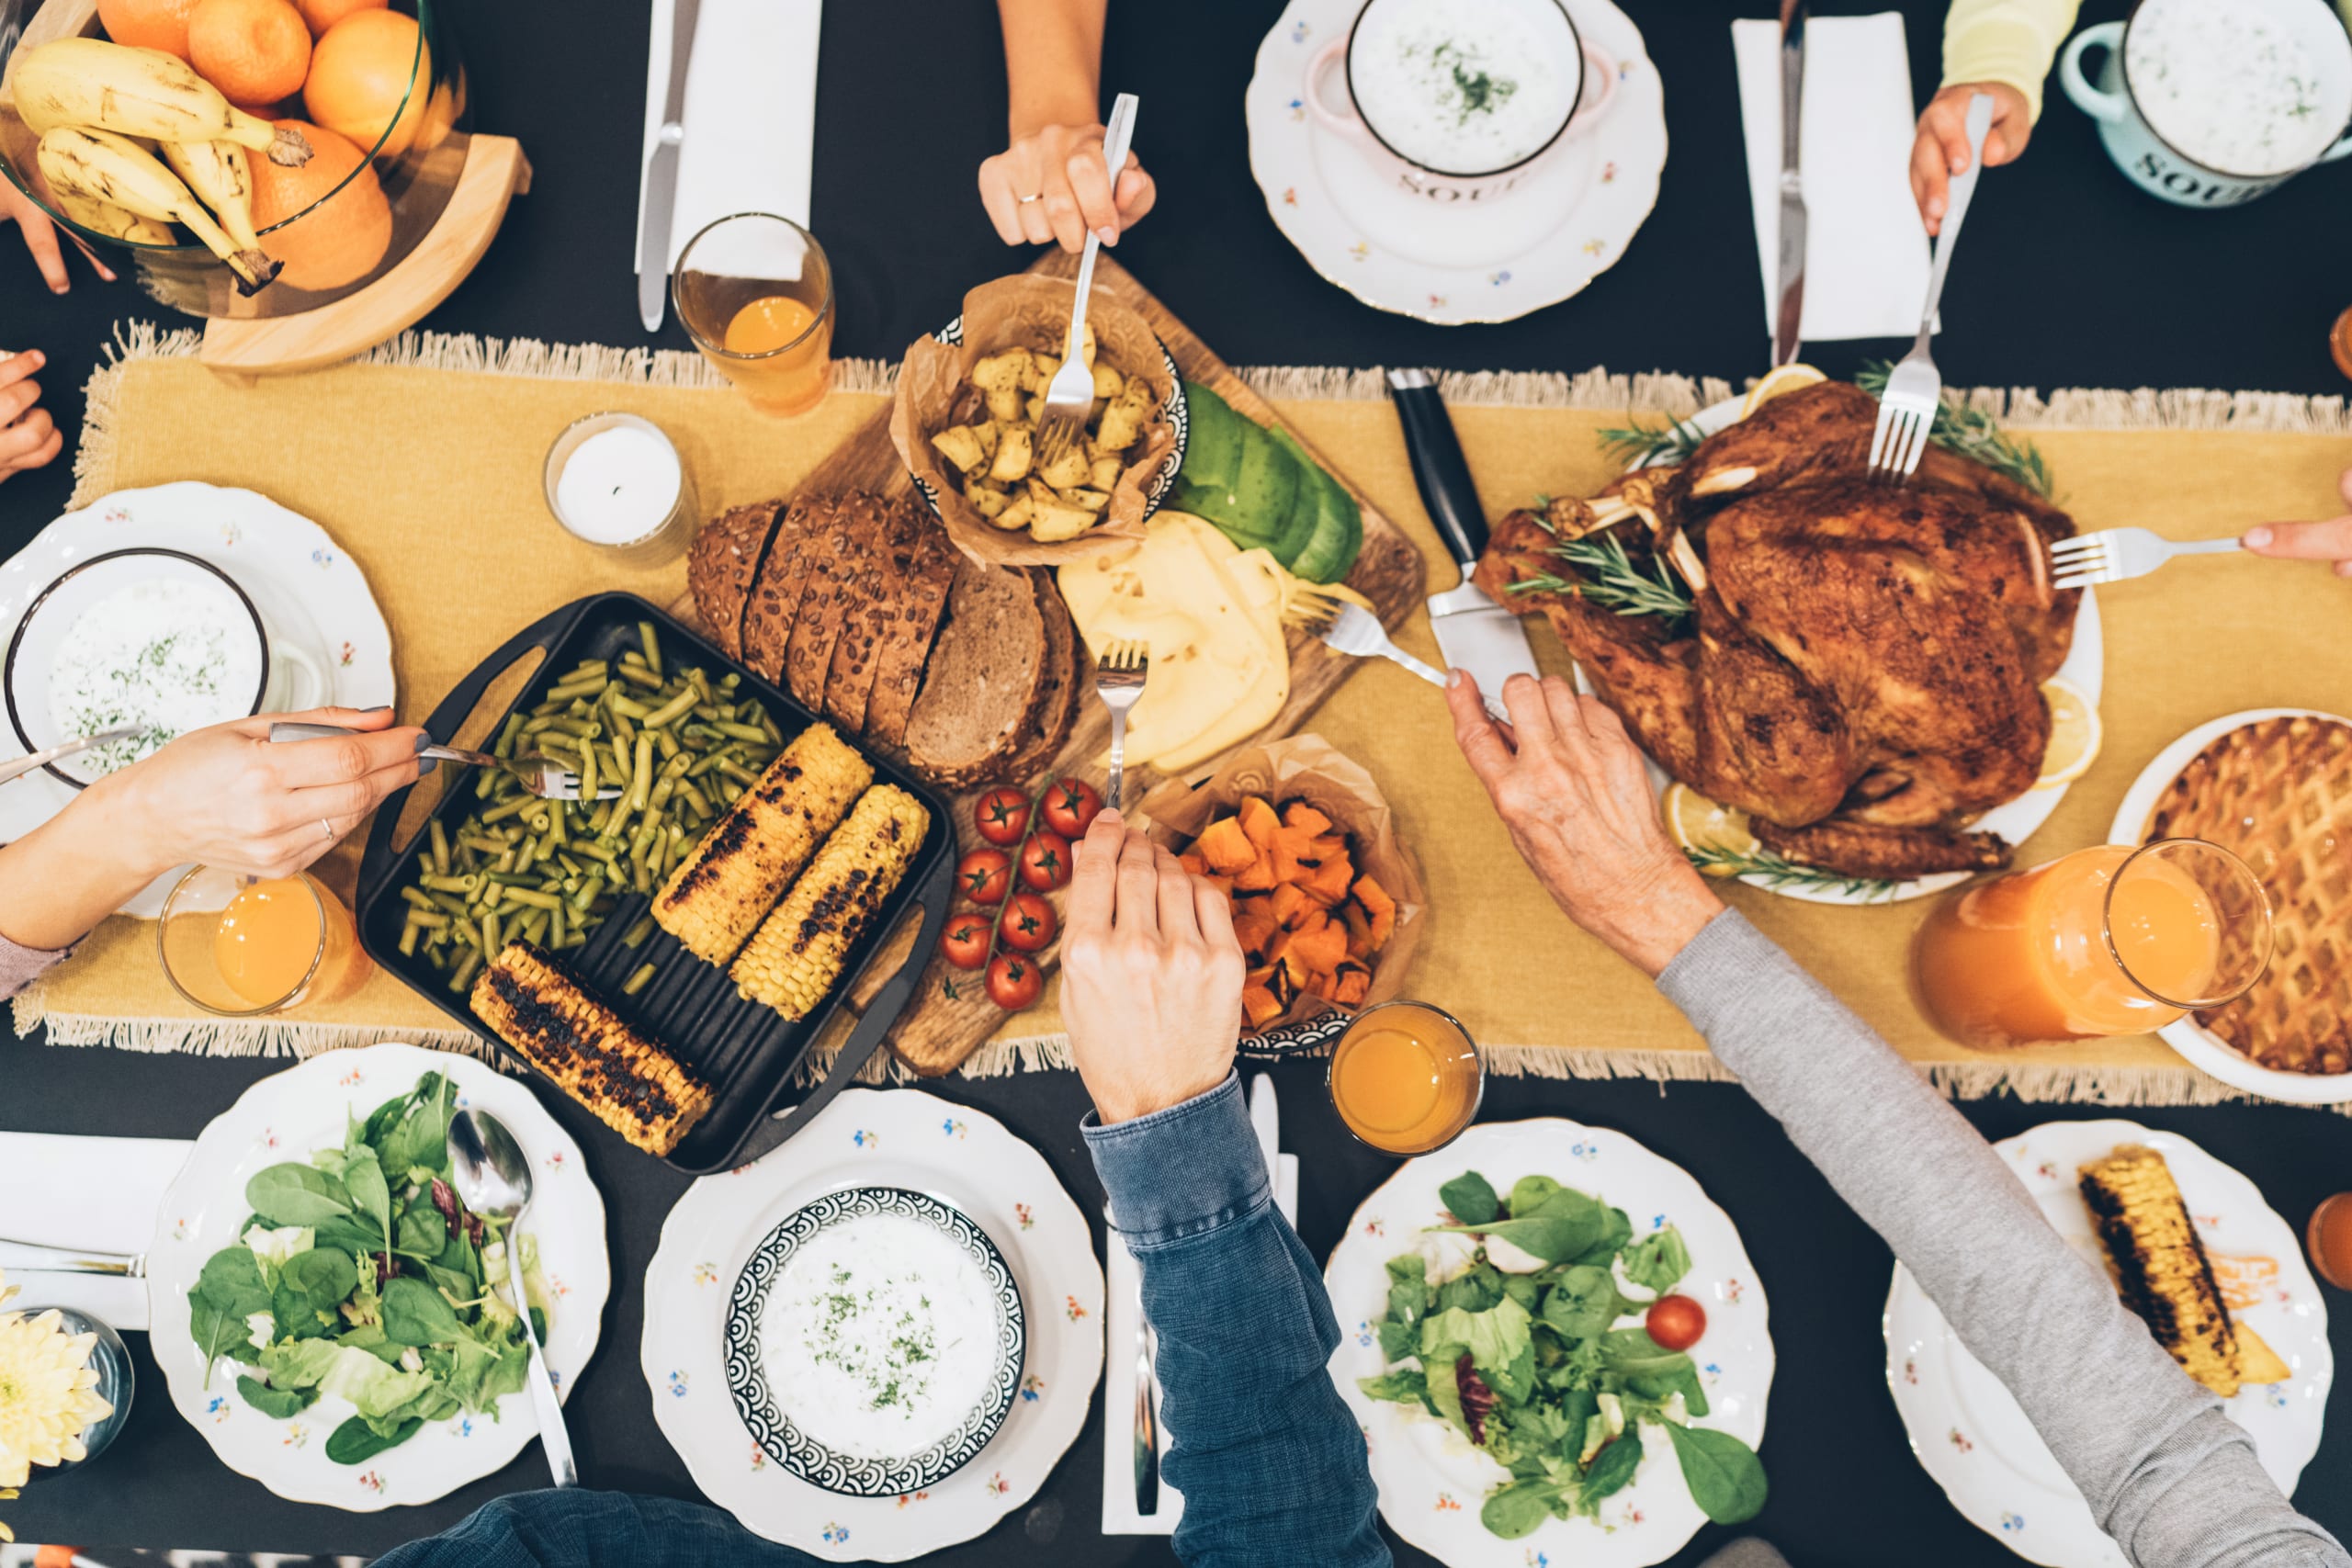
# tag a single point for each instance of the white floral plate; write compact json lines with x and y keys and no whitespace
{"x":1431,"y":1482}
{"x":1966,"y":1427}
{"x":1568,"y":222}
{"x":867,"y":1138}
{"x":2015,"y":821}
{"x":2199,"y":1045}
{"x":284,"y":1117}
{"x":307,"y":587}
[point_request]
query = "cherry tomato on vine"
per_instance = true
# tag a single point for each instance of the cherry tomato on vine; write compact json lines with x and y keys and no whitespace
{"x":1013,"y":982}
{"x":1676,"y":1321}
{"x":1029,"y":922}
{"x":1002,"y":816}
{"x":1070,"y":807}
{"x":965,"y":940}
{"x":1044,"y":862}
{"x":984,"y":875}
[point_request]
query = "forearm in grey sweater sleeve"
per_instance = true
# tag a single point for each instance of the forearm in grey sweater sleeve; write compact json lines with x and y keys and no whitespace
{"x":2166,"y":1472}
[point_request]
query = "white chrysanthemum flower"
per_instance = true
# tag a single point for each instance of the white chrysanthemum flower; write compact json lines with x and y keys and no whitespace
{"x":48,"y":1391}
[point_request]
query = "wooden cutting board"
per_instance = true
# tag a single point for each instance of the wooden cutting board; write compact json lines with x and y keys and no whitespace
{"x":950,"y":1016}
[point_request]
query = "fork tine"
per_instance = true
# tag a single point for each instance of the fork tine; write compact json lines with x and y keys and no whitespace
{"x":1915,"y":441}
{"x":1878,"y":438}
{"x":2079,"y":546}
{"x":2082,"y":579}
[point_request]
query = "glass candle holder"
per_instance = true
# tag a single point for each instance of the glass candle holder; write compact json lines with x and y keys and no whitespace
{"x":616,"y":480}
{"x":755,"y":293}
{"x":1406,"y":1078}
{"x":242,"y":947}
{"x":117,"y":1382}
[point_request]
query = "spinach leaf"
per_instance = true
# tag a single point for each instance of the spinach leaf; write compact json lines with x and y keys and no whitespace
{"x":311,"y":1286}
{"x":294,"y":1194}
{"x":1408,"y":1288}
{"x":348,"y":1233}
{"x":1726,"y":1478}
{"x":354,"y":1443}
{"x":370,"y":1336}
{"x":1661,"y":1386}
{"x":293,"y":1316}
{"x":1552,"y":1237}
{"x":371,"y":1198}
{"x":1524,"y":1289}
{"x":1529,"y":1193}
{"x":1658,"y":1260}
{"x":1516,"y":1510}
{"x":1617,"y":1230}
{"x":1612,"y":1468}
{"x":422,"y":1234}
{"x":1584,"y":1303}
{"x":233,"y":1278}
{"x":1474,"y":1290}
{"x":276,"y":1403}
{"x":1398,"y":1340}
{"x":1495,"y":1337}
{"x":540,"y":1325}
{"x":1470,"y":1199}
{"x":421,"y":1138}
{"x":1409,"y":1386}
{"x":1631,"y":1353}
{"x":416,"y":1313}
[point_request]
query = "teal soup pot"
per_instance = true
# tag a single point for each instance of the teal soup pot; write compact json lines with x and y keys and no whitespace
{"x":2211,"y":103}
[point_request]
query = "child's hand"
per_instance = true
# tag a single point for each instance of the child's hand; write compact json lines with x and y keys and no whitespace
{"x":28,"y":438}
{"x":1942,"y":150}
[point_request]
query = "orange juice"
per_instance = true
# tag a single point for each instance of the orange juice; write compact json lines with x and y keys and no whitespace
{"x":2077,"y":949}
{"x":270,"y":943}
{"x":756,"y":293}
{"x":768,"y":323}
{"x":1405,"y":1077}
{"x":2328,"y":1238}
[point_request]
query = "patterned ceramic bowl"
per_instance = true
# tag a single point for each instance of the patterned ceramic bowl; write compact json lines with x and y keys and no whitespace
{"x":768,"y":1408}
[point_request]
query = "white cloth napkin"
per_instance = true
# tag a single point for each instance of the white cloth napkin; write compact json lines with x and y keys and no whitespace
{"x":1119,"y":1281}
{"x":102,"y":1193}
{"x":1866,"y":253}
{"x":751,"y":112}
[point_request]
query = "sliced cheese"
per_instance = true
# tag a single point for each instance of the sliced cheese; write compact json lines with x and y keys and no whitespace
{"x":1220,"y":670}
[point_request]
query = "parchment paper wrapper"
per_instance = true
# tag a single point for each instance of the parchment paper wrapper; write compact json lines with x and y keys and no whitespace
{"x":1308,"y":767}
{"x":1027,"y":312}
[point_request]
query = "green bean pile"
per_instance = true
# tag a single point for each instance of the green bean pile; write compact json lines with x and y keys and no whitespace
{"x":681,"y":746}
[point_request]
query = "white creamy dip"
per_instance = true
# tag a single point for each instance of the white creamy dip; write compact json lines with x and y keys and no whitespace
{"x":1463,"y":86}
{"x":2227,"y":86}
{"x":166,"y":654}
{"x":880,"y":1337}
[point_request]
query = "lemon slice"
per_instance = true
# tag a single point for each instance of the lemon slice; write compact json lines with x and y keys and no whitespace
{"x":2075,"y":734}
{"x":1698,"y":823}
{"x":1777,"y":380}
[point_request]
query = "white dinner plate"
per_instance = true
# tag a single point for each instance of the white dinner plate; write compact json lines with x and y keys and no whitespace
{"x":2014,"y":820}
{"x":304,"y":583}
{"x":875,"y":1138}
{"x":285,"y":1116}
{"x":1966,"y":1427}
{"x":1567,"y":222}
{"x":2197,"y":1045}
{"x":1432,"y":1483}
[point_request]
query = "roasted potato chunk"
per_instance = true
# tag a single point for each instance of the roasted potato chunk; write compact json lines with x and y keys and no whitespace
{"x":1051,"y":523}
{"x":1019,"y":512}
{"x":1104,"y":473}
{"x":960,"y":444}
{"x":1010,"y":464}
{"x":1069,"y":471}
{"x":1005,"y":405}
{"x":986,"y":499}
{"x":995,"y":451}
{"x":1007,"y":371}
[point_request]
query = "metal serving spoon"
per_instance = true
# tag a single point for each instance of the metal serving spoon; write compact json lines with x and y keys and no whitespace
{"x":494,"y":1176}
{"x":41,"y":759}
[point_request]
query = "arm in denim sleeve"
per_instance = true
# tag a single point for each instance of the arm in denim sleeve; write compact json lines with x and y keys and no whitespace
{"x":1271,"y":1463}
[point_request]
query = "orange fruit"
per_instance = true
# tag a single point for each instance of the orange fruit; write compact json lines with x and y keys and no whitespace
{"x":148,"y":24}
{"x":340,"y":240}
{"x":360,"y":76}
{"x":320,"y":14}
{"x":255,"y":52}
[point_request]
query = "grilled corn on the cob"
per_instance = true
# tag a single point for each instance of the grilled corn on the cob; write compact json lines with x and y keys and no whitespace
{"x":798,"y":955}
{"x":634,"y":1087}
{"x":719,"y":894}
{"x":2160,"y":1265}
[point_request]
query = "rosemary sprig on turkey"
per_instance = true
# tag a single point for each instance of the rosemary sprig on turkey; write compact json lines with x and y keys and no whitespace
{"x":1768,"y":869}
{"x":1607,"y":577}
{"x":1973,"y":433}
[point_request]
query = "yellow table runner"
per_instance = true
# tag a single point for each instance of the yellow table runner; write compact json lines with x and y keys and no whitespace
{"x":425,"y":465}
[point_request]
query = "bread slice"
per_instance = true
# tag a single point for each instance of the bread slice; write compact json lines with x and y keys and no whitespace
{"x":784,"y":577}
{"x":906,"y":644}
{"x":834,"y":563}
{"x":1060,"y":689}
{"x":876,"y":594}
{"x":983,"y":683}
{"x":723,"y":565}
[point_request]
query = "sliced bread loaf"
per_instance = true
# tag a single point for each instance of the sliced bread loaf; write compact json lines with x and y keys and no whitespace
{"x":782,"y":579}
{"x":1058,"y":698}
{"x":877,"y":598}
{"x":722,"y":566}
{"x":985,"y":681}
{"x":906,"y":645}
{"x":836,"y":562}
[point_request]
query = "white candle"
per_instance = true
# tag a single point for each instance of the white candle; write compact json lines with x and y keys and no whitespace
{"x":613,"y":479}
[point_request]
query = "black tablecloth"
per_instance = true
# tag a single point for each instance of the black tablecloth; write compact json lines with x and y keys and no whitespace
{"x":2071,"y":277}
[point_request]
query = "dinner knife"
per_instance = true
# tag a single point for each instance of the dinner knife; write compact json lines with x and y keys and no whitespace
{"x":662,"y":173}
{"x":1474,"y":633}
{"x":1146,"y":1419}
{"x":1265,"y":1116}
{"x":34,"y":1259}
{"x":1787,"y":320}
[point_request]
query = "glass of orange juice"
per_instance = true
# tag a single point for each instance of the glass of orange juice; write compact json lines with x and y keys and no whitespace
{"x":756,"y":295}
{"x":242,"y":946}
{"x":1407,"y":1077}
{"x":2110,"y":939}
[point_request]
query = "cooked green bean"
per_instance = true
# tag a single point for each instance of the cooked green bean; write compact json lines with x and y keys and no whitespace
{"x":638,"y":981}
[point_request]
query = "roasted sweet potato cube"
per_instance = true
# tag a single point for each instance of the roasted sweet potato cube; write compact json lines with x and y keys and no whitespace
{"x":1222,"y":883}
{"x":1257,"y":821}
{"x":1260,"y":1006}
{"x":1353,"y":981}
{"x":1358,"y":928}
{"x":1379,"y":907}
{"x":1322,"y":949}
{"x":1297,"y":969}
{"x":1288,"y":903}
{"x":1254,"y":931}
{"x":1298,"y":813}
{"x":1258,"y":876}
{"x":1329,"y":883}
{"x":1192,"y":861}
{"x":1223,"y":846}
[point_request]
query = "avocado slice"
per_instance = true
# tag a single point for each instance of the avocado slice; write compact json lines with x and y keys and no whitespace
{"x":1256,"y":508}
{"x":1327,"y":526}
{"x":1212,"y":444}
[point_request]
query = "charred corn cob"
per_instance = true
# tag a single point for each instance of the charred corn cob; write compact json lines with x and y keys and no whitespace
{"x":799,"y":952}
{"x":719,"y":894}
{"x":2160,"y":1265}
{"x":634,"y":1087}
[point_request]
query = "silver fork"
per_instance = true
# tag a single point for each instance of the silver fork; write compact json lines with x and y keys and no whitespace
{"x":1070,"y":396}
{"x":1356,"y":630}
{"x":1914,"y":391}
{"x":2114,"y":554}
{"x":1119,"y":675}
{"x":542,"y":776}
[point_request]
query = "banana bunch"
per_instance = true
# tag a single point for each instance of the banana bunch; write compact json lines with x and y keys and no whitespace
{"x":99,"y":165}
{"x":104,"y":110}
